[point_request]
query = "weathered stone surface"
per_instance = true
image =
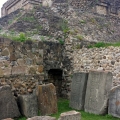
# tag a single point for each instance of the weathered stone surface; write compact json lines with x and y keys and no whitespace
{"x":8,"y":105}
{"x":71,"y":115}
{"x":98,"y":87}
{"x":78,"y":90}
{"x":7,"y":71}
{"x":20,"y":62}
{"x":42,"y":118}
{"x":47,"y":99}
{"x":28,"y":105}
{"x":1,"y":73}
{"x":5,"y":52}
{"x":40,"y":69}
{"x":8,"y":119}
{"x":19,"y":70}
{"x":12,"y":57}
{"x":114,"y":102}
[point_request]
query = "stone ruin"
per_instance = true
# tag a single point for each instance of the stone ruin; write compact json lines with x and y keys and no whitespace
{"x":94,"y":93}
{"x":25,"y":74}
{"x":105,"y":7}
{"x":108,"y":7}
{"x":28,"y":104}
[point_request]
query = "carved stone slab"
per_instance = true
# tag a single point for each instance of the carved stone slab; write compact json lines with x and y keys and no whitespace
{"x":8,"y":105}
{"x":98,"y":87}
{"x":71,"y":115}
{"x":42,"y":118}
{"x":28,"y":105}
{"x":47,"y":99}
{"x":114,"y":102}
{"x":78,"y":90}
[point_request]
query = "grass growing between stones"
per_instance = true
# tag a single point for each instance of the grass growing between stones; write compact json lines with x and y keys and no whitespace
{"x":63,"y":106}
{"x":102,"y":44}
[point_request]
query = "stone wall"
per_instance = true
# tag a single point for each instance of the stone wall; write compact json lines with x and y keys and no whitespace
{"x":25,"y":65}
{"x":111,"y":7}
{"x":13,"y":5}
{"x":100,"y":59}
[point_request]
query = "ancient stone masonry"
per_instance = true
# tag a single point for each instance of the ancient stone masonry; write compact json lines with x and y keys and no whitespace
{"x":78,"y":90}
{"x":28,"y":105}
{"x":108,"y":7}
{"x":8,"y":105}
{"x":25,"y":65}
{"x":114,"y":102}
{"x":98,"y":87}
{"x":12,"y":5}
{"x":71,"y":115}
{"x":106,"y":59}
{"x":47,"y":99}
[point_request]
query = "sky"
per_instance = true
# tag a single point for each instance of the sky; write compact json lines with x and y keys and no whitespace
{"x":1,"y":3}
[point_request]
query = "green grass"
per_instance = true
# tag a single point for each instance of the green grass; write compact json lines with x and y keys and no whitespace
{"x":63,"y":106}
{"x":21,"y":37}
{"x":102,"y":44}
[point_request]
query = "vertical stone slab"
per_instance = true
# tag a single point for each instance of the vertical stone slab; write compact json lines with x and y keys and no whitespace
{"x":98,"y":87}
{"x":78,"y":90}
{"x":114,"y":102}
{"x":71,"y":115}
{"x":47,"y":99}
{"x":8,"y":105}
{"x":28,"y":105}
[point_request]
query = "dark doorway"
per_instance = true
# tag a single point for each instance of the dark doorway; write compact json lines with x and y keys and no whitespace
{"x":55,"y":77}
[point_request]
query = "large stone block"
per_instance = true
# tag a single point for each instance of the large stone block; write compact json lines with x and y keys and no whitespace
{"x":71,"y":115}
{"x":47,"y":99}
{"x":19,"y":70}
{"x":8,"y":105}
{"x":98,"y":87}
{"x":28,"y":105}
{"x":42,"y":118}
{"x":114,"y":102}
{"x":78,"y":90}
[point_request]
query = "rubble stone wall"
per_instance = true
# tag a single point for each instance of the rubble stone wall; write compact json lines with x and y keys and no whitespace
{"x":99,"y":59}
{"x":25,"y":65}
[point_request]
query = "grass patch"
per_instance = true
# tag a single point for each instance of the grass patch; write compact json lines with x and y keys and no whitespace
{"x":63,"y":106}
{"x":21,"y":37}
{"x":102,"y":44}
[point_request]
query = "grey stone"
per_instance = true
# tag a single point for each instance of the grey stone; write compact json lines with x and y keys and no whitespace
{"x":28,"y":105}
{"x":47,"y":99}
{"x":8,"y":119}
{"x":71,"y":115}
{"x":4,"y":58}
{"x":114,"y":102}
{"x":29,"y":61}
{"x":42,"y":118}
{"x":98,"y":87}
{"x":8,"y":105}
{"x":78,"y":90}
